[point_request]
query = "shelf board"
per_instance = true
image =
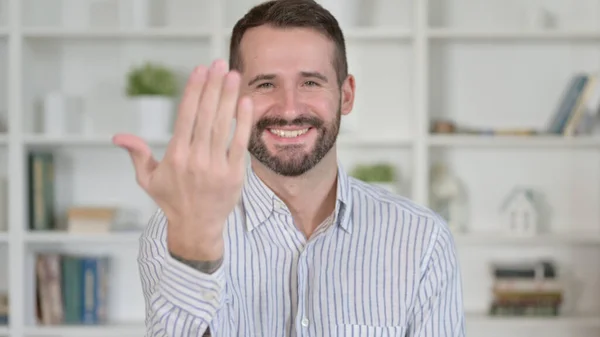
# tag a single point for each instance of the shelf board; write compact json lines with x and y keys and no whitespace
{"x":368,"y":33}
{"x":579,"y":320}
{"x":482,"y":34}
{"x":41,"y":237}
{"x":512,"y":141}
{"x":134,"y":329}
{"x":351,"y":140}
{"x":40,"y":140}
{"x":106,"y":140}
{"x":544,"y":239}
{"x":104,"y":33}
{"x":377,"y":33}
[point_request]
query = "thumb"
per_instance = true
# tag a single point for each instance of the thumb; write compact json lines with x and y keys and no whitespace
{"x":141,"y":156}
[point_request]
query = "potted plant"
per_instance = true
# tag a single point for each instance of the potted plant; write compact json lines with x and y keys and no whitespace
{"x":152,"y":87}
{"x":379,"y":174}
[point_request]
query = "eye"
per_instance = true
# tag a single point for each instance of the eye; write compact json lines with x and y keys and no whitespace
{"x":265,"y":85}
{"x":311,"y":83}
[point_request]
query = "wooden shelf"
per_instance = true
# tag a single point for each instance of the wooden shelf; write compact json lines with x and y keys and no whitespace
{"x":541,"y":240}
{"x":369,"y":33}
{"x":118,"y":238}
{"x":132,"y":329}
{"x":516,"y":35}
{"x":40,"y":140}
{"x":405,"y":75}
{"x":513,"y":141}
{"x":157,"y":33}
{"x":579,"y":321}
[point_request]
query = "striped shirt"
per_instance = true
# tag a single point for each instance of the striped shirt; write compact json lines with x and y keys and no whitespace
{"x":383,"y":266}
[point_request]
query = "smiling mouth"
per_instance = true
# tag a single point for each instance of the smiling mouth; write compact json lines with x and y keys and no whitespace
{"x":289,"y":133}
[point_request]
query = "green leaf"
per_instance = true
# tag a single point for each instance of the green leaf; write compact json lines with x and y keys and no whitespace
{"x":151,"y":79}
{"x":379,"y":172}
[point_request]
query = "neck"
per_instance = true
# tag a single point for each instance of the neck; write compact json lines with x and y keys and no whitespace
{"x":309,"y":197}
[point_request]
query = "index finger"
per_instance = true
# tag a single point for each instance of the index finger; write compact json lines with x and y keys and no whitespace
{"x":186,"y":115}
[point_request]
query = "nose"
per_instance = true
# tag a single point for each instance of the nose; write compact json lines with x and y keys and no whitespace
{"x":288,"y":104}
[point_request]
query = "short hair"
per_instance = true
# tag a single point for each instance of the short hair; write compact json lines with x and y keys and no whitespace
{"x":287,"y":14}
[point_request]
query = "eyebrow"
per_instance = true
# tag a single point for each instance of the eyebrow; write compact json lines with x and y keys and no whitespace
{"x":261,"y":77}
{"x":315,"y":74}
{"x":264,"y":77}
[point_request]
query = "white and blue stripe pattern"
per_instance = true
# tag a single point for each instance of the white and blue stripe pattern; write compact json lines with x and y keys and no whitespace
{"x":383,"y":267}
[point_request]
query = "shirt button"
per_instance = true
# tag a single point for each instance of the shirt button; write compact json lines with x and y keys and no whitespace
{"x":208,"y":296}
{"x":305,"y":322}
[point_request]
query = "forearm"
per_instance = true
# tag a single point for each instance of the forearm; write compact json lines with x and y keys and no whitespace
{"x":180,"y":300}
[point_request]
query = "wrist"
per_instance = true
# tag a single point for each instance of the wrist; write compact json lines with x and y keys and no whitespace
{"x":204,"y":266}
{"x":193,"y":242}
{"x":204,"y":248}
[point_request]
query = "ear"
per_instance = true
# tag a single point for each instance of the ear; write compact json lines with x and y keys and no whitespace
{"x":348,"y":93}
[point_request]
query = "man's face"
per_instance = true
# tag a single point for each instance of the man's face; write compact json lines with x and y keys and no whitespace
{"x":297,"y":102}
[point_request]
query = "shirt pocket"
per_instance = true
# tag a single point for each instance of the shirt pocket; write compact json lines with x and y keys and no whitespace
{"x":354,"y":330}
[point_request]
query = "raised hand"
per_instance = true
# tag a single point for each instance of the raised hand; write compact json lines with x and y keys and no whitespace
{"x":199,"y":180}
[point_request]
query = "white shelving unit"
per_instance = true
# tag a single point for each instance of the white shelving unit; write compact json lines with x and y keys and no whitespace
{"x":475,"y":62}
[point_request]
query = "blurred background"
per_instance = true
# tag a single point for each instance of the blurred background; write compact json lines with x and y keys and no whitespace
{"x":484,"y":110}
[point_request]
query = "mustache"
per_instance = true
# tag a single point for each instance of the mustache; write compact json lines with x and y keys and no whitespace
{"x":268,"y":122}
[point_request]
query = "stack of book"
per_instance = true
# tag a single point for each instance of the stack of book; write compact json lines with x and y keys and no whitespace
{"x":71,"y":289}
{"x":526,"y":289}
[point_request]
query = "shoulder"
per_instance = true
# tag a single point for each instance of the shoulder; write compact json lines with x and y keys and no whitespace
{"x":426,"y":230}
{"x":378,"y":197}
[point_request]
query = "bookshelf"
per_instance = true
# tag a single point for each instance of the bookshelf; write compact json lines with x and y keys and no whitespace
{"x":474,"y":62}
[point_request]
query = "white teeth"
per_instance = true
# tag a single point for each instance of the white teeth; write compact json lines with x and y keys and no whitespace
{"x":289,"y":133}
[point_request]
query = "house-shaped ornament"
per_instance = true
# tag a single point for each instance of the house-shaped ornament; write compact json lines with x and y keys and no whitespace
{"x":520,"y":213}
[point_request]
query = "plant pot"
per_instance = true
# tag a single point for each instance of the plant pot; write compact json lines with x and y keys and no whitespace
{"x":155,"y":115}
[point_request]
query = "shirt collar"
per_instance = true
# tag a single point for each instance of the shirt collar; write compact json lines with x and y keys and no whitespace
{"x":259,"y":201}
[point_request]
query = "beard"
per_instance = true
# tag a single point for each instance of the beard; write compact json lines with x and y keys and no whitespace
{"x":292,"y":160}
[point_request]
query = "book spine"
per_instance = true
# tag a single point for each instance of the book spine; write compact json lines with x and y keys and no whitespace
{"x":89,"y":296}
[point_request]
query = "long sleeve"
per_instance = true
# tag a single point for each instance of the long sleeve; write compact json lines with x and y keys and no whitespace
{"x":438,"y":309}
{"x":179,"y":300}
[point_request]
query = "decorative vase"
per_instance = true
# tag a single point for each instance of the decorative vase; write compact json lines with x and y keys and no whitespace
{"x":448,"y":198}
{"x":154,"y":116}
{"x":62,"y":114}
{"x":140,"y":14}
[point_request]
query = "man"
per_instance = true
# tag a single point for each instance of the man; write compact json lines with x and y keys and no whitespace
{"x":289,"y":245}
